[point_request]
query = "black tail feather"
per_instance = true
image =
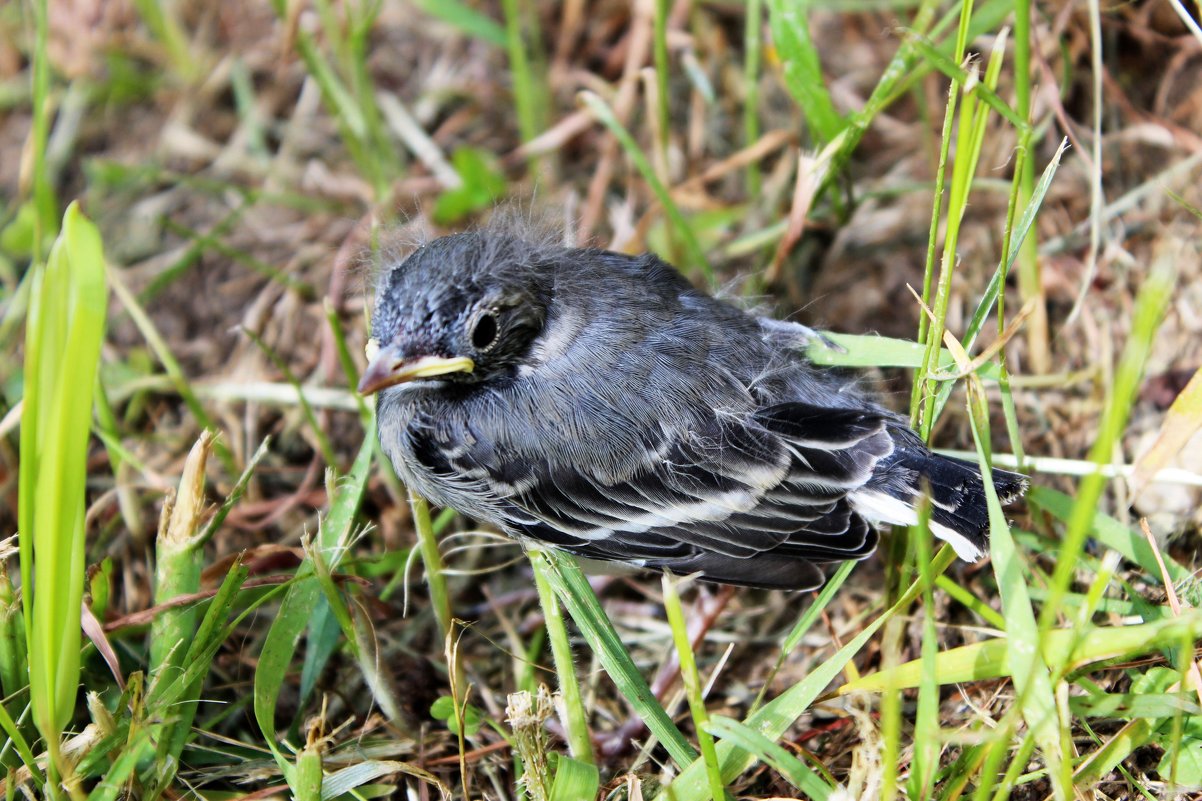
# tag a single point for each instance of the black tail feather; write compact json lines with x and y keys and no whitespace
{"x":956,"y":487}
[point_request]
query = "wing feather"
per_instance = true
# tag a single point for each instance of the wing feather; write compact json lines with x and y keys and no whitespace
{"x":727,"y":493}
{"x":723,"y":497}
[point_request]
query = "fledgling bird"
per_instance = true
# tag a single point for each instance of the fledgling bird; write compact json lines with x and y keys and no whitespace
{"x":600,"y":403}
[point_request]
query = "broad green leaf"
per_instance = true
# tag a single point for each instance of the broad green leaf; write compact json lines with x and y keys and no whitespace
{"x":574,"y":779}
{"x":1183,"y":764}
{"x":443,"y":709}
{"x":64,"y":332}
{"x":482,"y":184}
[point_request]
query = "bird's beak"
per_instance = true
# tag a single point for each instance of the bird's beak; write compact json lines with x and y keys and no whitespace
{"x":386,"y":367}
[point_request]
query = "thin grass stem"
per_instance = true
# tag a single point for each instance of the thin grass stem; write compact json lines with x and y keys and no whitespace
{"x":692,"y":684}
{"x":579,"y":739}
{"x":602,"y":112}
{"x":751,"y":89}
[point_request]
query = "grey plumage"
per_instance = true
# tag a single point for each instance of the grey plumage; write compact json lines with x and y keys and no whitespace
{"x":600,"y":403}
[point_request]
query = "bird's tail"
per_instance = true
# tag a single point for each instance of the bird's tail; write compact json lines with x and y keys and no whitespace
{"x":959,"y":513}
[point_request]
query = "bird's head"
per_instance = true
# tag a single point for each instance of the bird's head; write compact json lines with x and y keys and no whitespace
{"x":463,"y":308}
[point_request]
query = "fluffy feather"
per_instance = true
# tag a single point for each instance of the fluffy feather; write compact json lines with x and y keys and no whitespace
{"x":623,"y":415}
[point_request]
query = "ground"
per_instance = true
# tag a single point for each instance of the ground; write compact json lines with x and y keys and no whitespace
{"x":242,"y":159}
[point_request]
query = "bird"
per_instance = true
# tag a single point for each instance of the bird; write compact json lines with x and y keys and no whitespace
{"x":600,"y":403}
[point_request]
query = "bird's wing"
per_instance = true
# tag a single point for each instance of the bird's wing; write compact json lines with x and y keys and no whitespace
{"x":739,"y":498}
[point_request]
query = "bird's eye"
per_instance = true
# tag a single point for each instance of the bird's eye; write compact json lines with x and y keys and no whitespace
{"x":484,"y":333}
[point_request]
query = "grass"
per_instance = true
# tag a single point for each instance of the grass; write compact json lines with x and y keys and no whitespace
{"x":63,"y":339}
{"x":691,"y":679}
{"x":271,"y":634}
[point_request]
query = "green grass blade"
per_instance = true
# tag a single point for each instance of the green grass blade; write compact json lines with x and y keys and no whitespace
{"x":162,"y":351}
{"x":927,"y":745}
{"x":660,"y":54}
{"x":747,"y":739}
{"x":14,"y":661}
{"x":465,"y":18}
{"x":324,"y":446}
{"x":236,"y":493}
{"x":957,"y":73}
{"x":1030,"y":281}
{"x":775,"y":718}
{"x":803,"y":624}
{"x":527,"y":90}
{"x":928,"y":272}
{"x":160,"y":19}
{"x":989,"y":659}
{"x":1150,"y":306}
{"x":970,"y":135}
{"x":64,"y":332}
{"x":427,"y":544}
{"x":199,"y":242}
{"x":1110,"y":532}
{"x":696,"y":256}
{"x":353,"y":108}
{"x":993,"y":290}
{"x":347,"y":361}
{"x":803,"y":71}
{"x":178,"y":561}
{"x":870,"y":350}
{"x":343,"y":783}
{"x":1025,"y":662}
{"x":579,"y":739}
{"x":302,"y":597}
{"x":180,"y":710}
{"x":115,"y":784}
{"x":584,"y":607}
{"x":574,"y":779}
{"x":44,"y":199}
{"x":692,"y":685}
{"x":751,"y":88}
{"x":22,"y":745}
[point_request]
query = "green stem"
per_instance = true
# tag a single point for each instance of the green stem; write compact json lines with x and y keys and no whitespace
{"x":1030,"y":282}
{"x":692,"y":686}
{"x":928,"y":275}
{"x":661,"y":70}
{"x":579,"y":740}
{"x":45,"y":203}
{"x":751,"y":90}
{"x":957,"y":200}
{"x":1150,"y":306}
{"x":696,"y":256}
{"x":432,"y":561}
{"x":525,"y":86}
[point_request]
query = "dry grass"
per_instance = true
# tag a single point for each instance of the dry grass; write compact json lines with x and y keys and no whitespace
{"x":231,"y":205}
